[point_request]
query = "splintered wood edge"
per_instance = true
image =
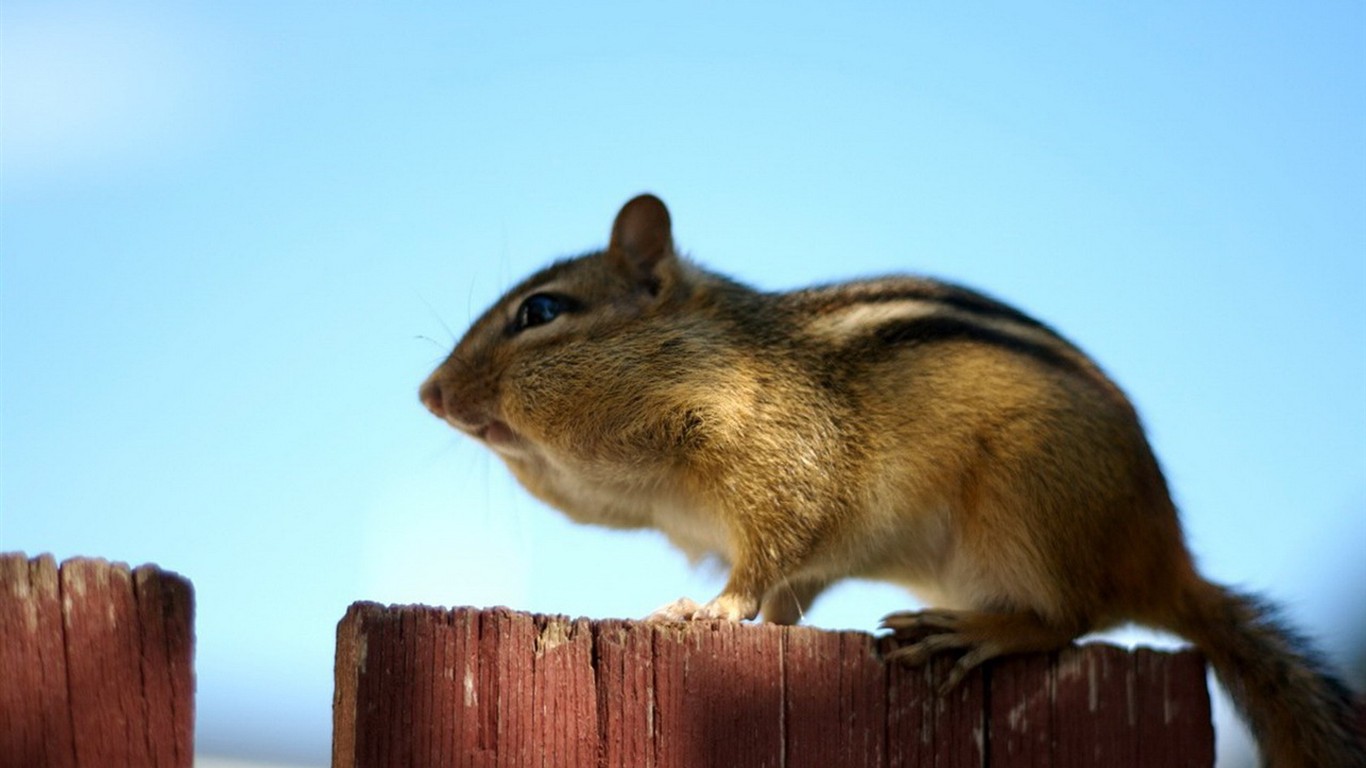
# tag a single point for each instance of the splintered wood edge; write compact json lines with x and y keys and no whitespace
{"x":350,"y":664}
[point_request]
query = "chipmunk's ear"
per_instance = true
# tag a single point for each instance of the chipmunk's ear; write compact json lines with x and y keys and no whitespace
{"x":642,"y":240}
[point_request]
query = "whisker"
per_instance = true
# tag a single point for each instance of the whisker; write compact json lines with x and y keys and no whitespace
{"x":438,"y":317}
{"x":801,"y":613}
{"x":434,"y":342}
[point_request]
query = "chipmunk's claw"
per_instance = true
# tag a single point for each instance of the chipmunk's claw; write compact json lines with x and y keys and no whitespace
{"x":914,"y":625}
{"x":924,"y":634}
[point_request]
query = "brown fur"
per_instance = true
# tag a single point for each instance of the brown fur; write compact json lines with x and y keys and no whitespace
{"x":899,"y":429}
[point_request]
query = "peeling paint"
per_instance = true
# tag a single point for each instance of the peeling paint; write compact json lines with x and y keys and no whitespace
{"x":1069,"y":667}
{"x":1130,"y":696}
{"x":24,"y":596}
{"x":471,"y":693}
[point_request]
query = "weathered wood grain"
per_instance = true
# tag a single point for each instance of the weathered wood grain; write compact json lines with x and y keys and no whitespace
{"x":97,"y":664}
{"x":835,"y":694}
{"x":465,"y":687}
{"x":624,"y":663}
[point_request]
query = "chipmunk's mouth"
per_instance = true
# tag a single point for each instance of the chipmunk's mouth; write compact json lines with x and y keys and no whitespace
{"x":496,"y":432}
{"x":473,"y":421}
{"x":499,"y":436}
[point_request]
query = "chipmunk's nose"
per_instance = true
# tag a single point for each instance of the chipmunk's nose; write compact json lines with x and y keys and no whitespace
{"x":433,"y":397}
{"x":442,"y":397}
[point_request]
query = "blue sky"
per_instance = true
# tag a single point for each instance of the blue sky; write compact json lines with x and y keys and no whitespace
{"x":234,"y":238}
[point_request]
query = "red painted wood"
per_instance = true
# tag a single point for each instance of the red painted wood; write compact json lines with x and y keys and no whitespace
{"x":959,"y":718}
{"x":1020,"y":713}
{"x":836,"y":702}
{"x":719,"y":695}
{"x":420,"y":686}
{"x":1173,"y":712}
{"x":97,"y":663}
{"x":910,"y":716}
{"x":166,"y":617}
{"x":1095,"y":688}
{"x":626,"y":693}
{"x":100,"y":618}
{"x":564,"y":691}
{"x":504,"y":646}
{"x":35,"y":717}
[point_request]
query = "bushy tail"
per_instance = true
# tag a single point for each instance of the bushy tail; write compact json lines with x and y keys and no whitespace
{"x":1300,"y":714}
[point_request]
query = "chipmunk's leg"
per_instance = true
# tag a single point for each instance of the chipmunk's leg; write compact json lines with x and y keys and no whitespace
{"x":765,"y":555}
{"x":788,"y":602}
{"x":738,"y":601}
{"x":982,"y":635}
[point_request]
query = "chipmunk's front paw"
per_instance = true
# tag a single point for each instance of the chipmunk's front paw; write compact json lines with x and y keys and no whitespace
{"x":729,"y":608}
{"x":724,"y":607}
{"x":682,"y":609}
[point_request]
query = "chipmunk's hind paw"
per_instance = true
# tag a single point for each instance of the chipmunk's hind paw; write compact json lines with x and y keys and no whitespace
{"x":981,"y":636}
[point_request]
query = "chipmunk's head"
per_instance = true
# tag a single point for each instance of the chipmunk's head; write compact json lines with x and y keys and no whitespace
{"x":535,"y":368}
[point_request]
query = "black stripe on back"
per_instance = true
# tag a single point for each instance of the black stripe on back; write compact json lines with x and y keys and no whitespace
{"x":978,"y":303}
{"x":943,"y":328}
{"x":955,"y":297}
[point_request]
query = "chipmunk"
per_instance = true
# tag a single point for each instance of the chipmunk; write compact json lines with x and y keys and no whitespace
{"x":899,"y":429}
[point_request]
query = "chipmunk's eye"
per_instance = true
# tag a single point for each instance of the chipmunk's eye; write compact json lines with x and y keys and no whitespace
{"x":539,"y":309}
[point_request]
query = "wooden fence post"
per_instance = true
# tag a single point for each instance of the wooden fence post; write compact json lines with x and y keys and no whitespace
{"x":466,"y":687}
{"x":96,"y":665}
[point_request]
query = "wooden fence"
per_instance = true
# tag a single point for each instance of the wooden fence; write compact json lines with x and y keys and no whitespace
{"x":420,"y":686}
{"x":96,"y":665}
{"x":96,"y":670}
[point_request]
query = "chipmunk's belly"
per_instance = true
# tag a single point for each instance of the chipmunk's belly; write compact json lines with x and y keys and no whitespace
{"x":942,"y":572}
{"x":697,"y":533}
{"x":916,"y":547}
